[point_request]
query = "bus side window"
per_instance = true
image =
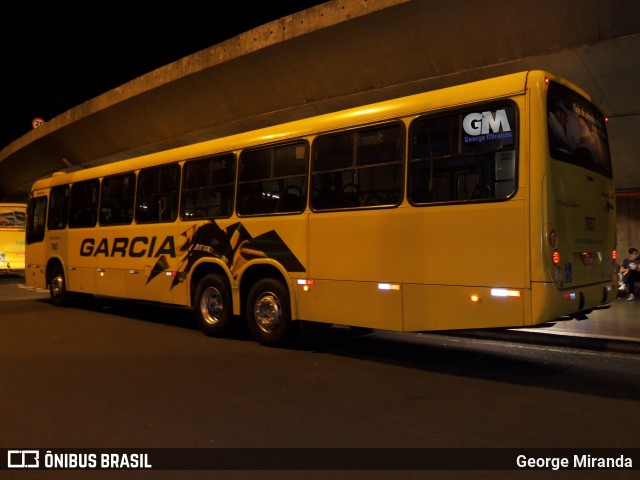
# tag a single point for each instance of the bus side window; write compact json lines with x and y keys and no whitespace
{"x":116,"y":199}
{"x":158,"y":194}
{"x":358,"y":168}
{"x":208,"y":187}
{"x":449,"y":164}
{"x":83,"y":204}
{"x":58,"y":208}
{"x":273,"y":179}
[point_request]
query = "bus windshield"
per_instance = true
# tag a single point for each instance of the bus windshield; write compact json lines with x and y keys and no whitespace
{"x":12,"y":217}
{"x":577,"y":132}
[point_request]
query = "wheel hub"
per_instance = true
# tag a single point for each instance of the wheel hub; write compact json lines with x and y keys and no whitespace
{"x":267,"y":312}
{"x":57,"y":285}
{"x":211,"y":306}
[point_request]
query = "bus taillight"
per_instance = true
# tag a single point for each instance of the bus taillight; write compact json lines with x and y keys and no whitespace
{"x":614,"y":255}
{"x":552,"y":237}
{"x":555,"y":258}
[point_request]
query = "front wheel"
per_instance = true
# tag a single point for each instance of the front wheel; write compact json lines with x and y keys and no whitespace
{"x":58,"y":287}
{"x":269,"y":313}
{"x":212,"y":305}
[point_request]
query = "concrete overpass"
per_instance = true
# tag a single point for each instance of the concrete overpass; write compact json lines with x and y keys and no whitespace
{"x":341,"y":54}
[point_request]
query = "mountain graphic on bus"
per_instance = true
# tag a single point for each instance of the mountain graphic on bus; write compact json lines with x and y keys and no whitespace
{"x":235,"y":246}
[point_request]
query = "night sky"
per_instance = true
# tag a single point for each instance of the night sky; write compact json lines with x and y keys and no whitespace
{"x":56,"y":55}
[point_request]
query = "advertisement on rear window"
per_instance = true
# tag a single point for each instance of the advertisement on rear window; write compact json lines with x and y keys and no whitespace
{"x":577,"y":132}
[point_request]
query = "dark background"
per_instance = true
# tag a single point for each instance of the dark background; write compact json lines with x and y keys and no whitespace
{"x":56,"y":55}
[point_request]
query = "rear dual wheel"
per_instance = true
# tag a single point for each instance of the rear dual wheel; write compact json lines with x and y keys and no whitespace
{"x":268,"y":309}
{"x":268,"y":313}
{"x":212,"y":305}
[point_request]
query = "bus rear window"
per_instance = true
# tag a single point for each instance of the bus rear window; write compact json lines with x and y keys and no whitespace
{"x":577,"y":132}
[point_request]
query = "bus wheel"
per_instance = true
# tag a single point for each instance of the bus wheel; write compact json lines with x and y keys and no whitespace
{"x":58,"y":287}
{"x":212,"y":305}
{"x":269,"y":313}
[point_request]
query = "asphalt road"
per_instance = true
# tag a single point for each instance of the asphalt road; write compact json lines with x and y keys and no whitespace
{"x":116,"y":374}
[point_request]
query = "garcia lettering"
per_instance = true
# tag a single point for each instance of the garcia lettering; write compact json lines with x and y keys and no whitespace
{"x":137,"y":247}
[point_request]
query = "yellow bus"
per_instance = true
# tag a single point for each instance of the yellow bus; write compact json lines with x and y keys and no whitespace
{"x":12,"y":237}
{"x":483,"y":205}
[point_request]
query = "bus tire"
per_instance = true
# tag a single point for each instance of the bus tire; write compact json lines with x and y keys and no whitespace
{"x":212,"y":305}
{"x":60,"y":296}
{"x":269,"y":313}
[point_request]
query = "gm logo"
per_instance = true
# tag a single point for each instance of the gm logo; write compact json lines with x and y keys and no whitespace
{"x":481,"y":123}
{"x":23,"y":458}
